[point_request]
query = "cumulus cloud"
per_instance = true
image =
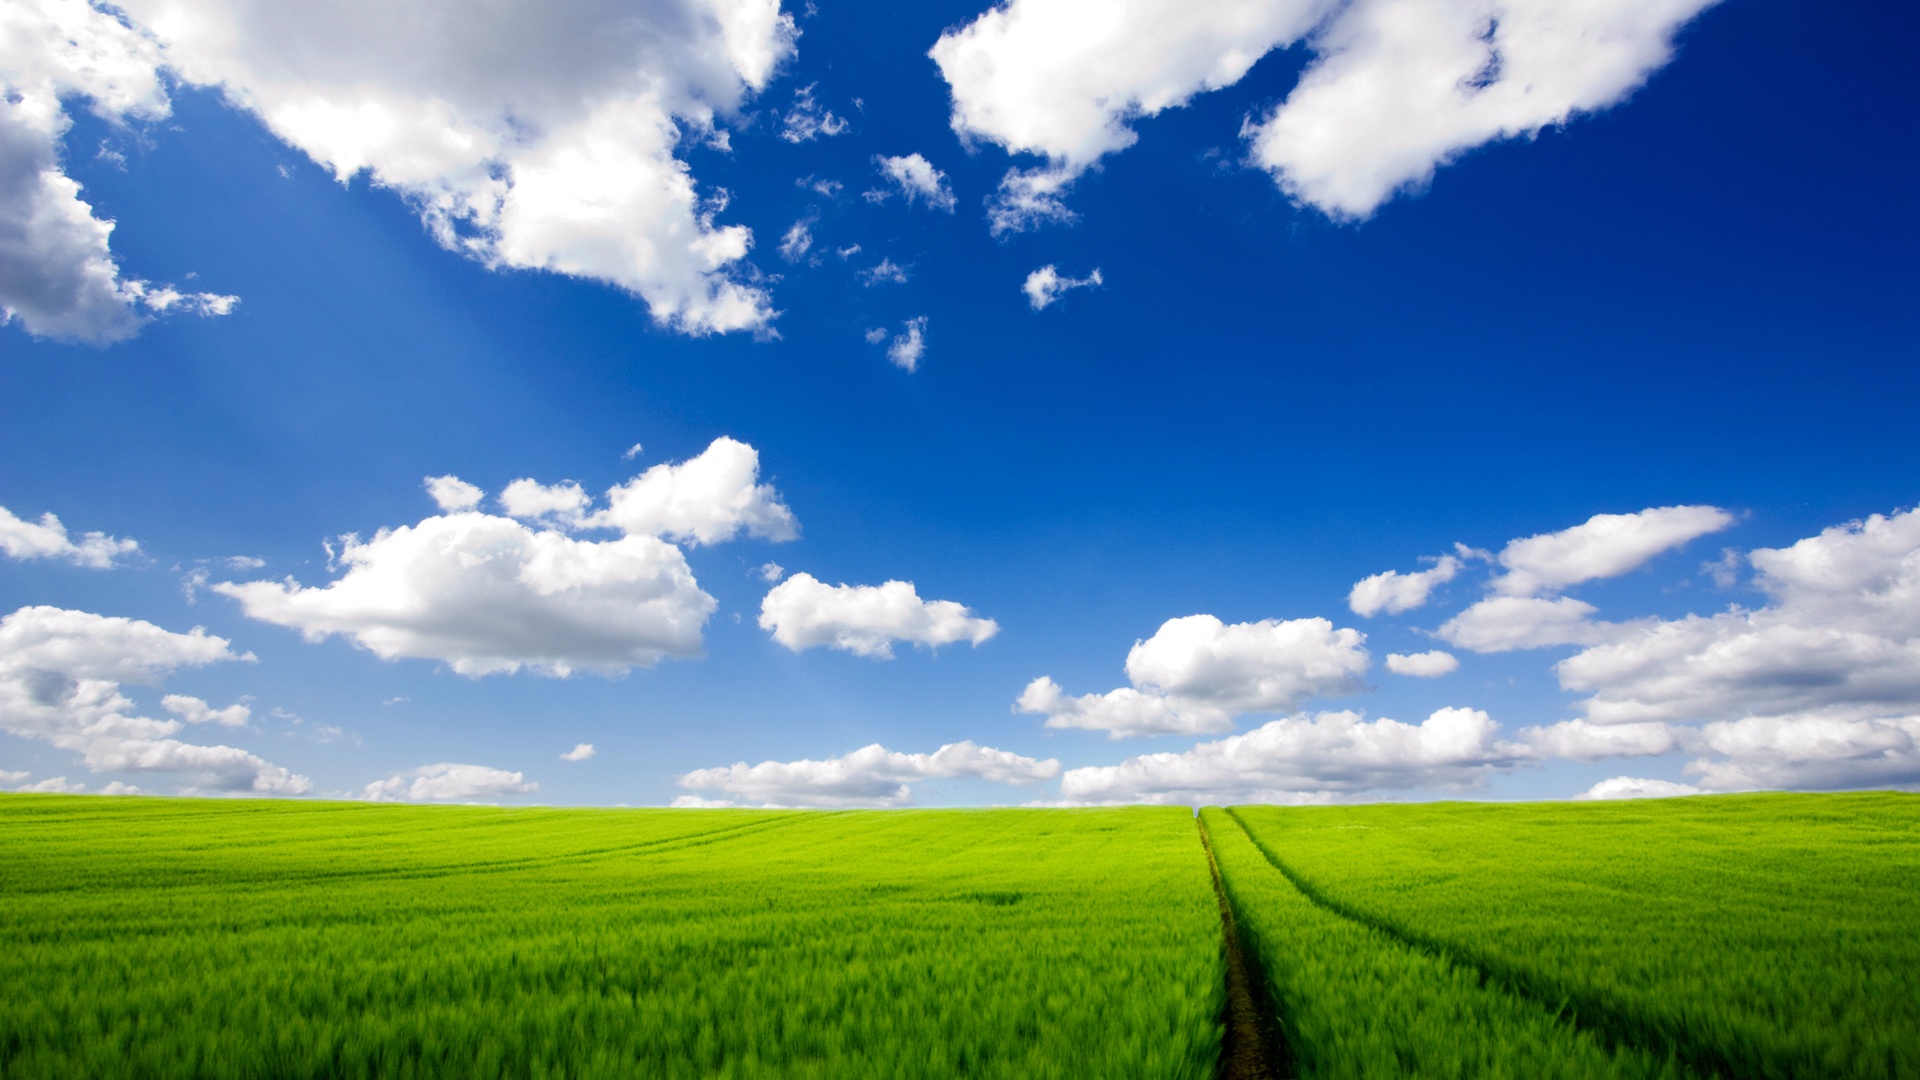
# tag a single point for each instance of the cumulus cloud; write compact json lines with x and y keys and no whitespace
{"x":808,"y":120}
{"x":526,"y":135}
{"x":915,"y":177}
{"x":562,"y":505}
{"x":1505,"y":623}
{"x":58,"y":276}
{"x":803,"y":612}
{"x":1604,"y":546}
{"x":1818,"y":688}
{"x":1045,"y":285}
{"x":1424,"y":665}
{"x":487,"y":594}
{"x":48,"y":539}
{"x":1401,"y":87}
{"x":450,"y":783}
{"x":1634,"y":787}
{"x":1396,"y":89}
{"x":1196,"y":674}
{"x":580,"y":752}
{"x":869,"y":776}
{"x":1302,"y":758}
{"x":704,"y":500}
{"x":60,"y":678}
{"x":1579,"y":740}
{"x":797,"y":240}
{"x":452,"y":494}
{"x":195,"y":711}
{"x":1394,"y":592}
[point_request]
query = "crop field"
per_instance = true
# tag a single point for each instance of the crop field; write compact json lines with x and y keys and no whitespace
{"x":1724,"y":937}
{"x":1758,"y":935}
{"x":148,"y":938}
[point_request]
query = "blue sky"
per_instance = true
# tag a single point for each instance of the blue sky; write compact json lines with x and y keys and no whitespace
{"x":1683,"y":302}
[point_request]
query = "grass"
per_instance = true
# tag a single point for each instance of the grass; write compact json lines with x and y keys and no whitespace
{"x":157,"y":938}
{"x":1764,"y":935}
{"x":1357,"y":1003}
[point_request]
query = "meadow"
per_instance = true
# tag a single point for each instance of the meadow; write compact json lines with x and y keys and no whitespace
{"x":1731,"y":937}
{"x":156,"y":938}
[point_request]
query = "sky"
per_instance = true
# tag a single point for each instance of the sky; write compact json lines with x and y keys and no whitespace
{"x":716,"y":402}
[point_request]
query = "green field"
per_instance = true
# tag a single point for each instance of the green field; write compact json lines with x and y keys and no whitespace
{"x":1752,"y":936}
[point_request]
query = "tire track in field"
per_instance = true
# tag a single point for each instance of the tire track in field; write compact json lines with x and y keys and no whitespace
{"x":1252,"y":1047}
{"x":1614,"y":1027}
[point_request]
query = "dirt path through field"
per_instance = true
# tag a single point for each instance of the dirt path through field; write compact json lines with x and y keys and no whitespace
{"x":1252,"y":1048}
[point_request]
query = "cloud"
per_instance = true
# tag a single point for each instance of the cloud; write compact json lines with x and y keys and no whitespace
{"x":488,"y":594}
{"x":195,"y":711}
{"x":452,"y":494}
{"x":770,"y":572}
{"x":1303,"y":758}
{"x":1045,"y":285}
{"x":1505,"y":623}
{"x":869,"y":776}
{"x":907,"y":347}
{"x":58,"y":276}
{"x":1578,"y":740}
{"x":448,"y":782}
{"x":562,"y":505}
{"x":704,"y":500}
{"x":805,"y":613}
{"x":1633,"y":787}
{"x":916,"y":178}
{"x":1396,"y":88}
{"x":886,"y":271}
{"x":1819,"y":688}
{"x":47,"y":539}
{"x":60,"y":677}
{"x":1401,"y":87}
{"x":1394,"y":592}
{"x":797,"y":240}
{"x":1425,"y":665}
{"x":1064,"y":79}
{"x":1604,"y":546}
{"x":1195,"y":674}
{"x":580,"y":752}
{"x":808,"y":120}
{"x":526,"y":135}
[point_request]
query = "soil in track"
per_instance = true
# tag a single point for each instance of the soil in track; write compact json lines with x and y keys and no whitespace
{"x":1252,"y":1047}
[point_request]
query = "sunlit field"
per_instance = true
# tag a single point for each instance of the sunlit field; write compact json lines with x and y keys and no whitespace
{"x":1763,"y":936}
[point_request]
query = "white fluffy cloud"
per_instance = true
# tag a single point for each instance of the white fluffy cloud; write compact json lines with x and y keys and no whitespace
{"x":1579,"y":740}
{"x":196,"y":711}
{"x":1634,"y":787}
{"x":1401,"y":87}
{"x":48,"y":539}
{"x":580,"y":752}
{"x":531,"y":135}
{"x":1303,"y":758}
{"x":1505,"y":623}
{"x":803,"y":612}
{"x":1196,"y":674}
{"x":916,"y":178}
{"x":57,"y":274}
{"x":1424,"y":665}
{"x":1603,"y":546}
{"x":808,"y":120}
{"x":1819,"y":688}
{"x":488,"y":594}
{"x":1046,"y":284}
{"x":704,"y":500}
{"x":1397,"y":87}
{"x":1394,"y":592}
{"x":60,"y":677}
{"x":450,"y":783}
{"x":869,"y":776}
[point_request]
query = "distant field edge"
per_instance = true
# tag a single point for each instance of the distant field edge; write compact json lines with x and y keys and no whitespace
{"x":1617,"y":1027}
